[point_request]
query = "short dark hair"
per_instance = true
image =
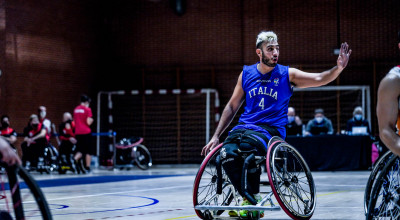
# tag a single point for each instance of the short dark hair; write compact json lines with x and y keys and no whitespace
{"x":319,"y":110}
{"x":85,"y":98}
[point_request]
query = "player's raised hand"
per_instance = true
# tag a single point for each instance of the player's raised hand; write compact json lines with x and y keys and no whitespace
{"x":344,"y":56}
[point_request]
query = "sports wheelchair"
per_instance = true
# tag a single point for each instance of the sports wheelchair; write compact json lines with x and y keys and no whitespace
{"x":382,"y":193}
{"x":290,"y":181}
{"x":47,"y":160}
{"x":130,"y":151}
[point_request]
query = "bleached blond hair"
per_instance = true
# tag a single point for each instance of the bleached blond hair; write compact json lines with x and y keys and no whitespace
{"x":266,"y":36}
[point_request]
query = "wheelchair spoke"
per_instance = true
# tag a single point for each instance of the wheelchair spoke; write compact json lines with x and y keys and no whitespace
{"x":293,"y":182}
{"x":387,"y":206}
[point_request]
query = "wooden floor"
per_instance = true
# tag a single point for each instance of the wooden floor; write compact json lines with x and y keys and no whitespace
{"x":165,"y":193}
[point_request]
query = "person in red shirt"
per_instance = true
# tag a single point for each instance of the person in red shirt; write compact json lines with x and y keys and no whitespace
{"x":68,"y":141}
{"x":34,"y":142}
{"x":83,"y":118}
{"x":8,"y":133}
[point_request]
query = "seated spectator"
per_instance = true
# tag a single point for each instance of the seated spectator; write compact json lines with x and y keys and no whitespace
{"x":8,"y":133}
{"x":68,"y":141}
{"x":46,"y":123}
{"x":34,"y":142}
{"x":295,"y":125}
{"x":357,"y":125}
{"x":320,"y":124}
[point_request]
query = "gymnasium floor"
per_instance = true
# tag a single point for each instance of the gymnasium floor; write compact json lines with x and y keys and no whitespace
{"x":165,"y":193}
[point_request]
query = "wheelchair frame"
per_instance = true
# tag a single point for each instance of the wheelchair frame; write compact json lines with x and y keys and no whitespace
{"x":384,"y":198}
{"x":213,"y":205}
{"x":138,"y":153}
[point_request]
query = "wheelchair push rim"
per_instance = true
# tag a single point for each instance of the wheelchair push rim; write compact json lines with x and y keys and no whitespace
{"x":384,"y":199}
{"x":205,"y":185}
{"x":291,"y":180}
{"x":379,"y":165}
{"x":21,"y":196}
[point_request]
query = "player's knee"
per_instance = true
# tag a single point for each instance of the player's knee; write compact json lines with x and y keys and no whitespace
{"x":228,"y":153}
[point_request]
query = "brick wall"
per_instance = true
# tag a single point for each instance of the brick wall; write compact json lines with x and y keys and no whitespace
{"x":52,"y":51}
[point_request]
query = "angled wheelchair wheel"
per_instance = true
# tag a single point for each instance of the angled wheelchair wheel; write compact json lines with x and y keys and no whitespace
{"x":384,"y":200}
{"x":212,"y":186}
{"x":379,"y":165}
{"x":20,"y":196}
{"x":142,"y":157}
{"x":291,"y":180}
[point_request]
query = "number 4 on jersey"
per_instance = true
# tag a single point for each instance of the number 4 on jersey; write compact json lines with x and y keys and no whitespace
{"x":261,"y":104}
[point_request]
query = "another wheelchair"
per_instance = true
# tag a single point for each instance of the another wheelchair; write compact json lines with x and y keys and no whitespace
{"x":130,"y":152}
{"x":48,"y":162}
{"x":20,"y":196}
{"x":45,"y":162}
{"x":384,"y":198}
{"x":290,"y":182}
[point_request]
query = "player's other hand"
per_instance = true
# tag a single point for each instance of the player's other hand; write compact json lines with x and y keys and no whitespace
{"x":208,"y":148}
{"x":8,"y":155}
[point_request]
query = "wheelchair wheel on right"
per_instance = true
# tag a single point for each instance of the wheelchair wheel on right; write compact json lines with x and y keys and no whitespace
{"x":384,"y":199}
{"x":142,"y":157}
{"x":379,"y":165}
{"x":20,"y":196}
{"x":291,"y":180}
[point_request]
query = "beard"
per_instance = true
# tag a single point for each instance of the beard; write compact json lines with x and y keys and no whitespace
{"x":267,"y":62}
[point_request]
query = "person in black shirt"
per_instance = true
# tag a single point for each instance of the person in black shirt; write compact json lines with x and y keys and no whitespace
{"x":320,"y":124}
{"x":34,"y":142}
{"x":357,"y":121}
{"x":8,"y":133}
{"x":295,"y":125}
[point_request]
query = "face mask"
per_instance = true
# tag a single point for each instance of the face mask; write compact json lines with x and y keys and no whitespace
{"x":318,"y":119}
{"x":42,"y":114}
{"x":358,"y":117}
{"x":290,"y":119}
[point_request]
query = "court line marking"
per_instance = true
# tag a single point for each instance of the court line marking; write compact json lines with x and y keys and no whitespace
{"x":155,"y":201}
{"x":319,"y":195}
{"x":122,"y":192}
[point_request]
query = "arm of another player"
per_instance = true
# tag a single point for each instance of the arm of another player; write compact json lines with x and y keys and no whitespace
{"x":303,"y":79}
{"x":8,"y":154}
{"x":387,"y":111}
{"x":228,"y":114}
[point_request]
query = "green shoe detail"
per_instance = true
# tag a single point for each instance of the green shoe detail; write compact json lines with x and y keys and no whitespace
{"x":233,"y":213}
{"x":243,"y":213}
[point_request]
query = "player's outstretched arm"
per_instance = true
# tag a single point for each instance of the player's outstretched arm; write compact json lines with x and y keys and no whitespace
{"x":303,"y":79}
{"x":228,"y":114}
{"x":387,"y":111}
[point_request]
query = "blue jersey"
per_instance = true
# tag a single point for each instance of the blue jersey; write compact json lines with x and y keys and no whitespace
{"x":267,"y":99}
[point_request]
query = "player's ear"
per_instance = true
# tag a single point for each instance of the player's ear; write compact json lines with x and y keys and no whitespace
{"x":259,"y":52}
